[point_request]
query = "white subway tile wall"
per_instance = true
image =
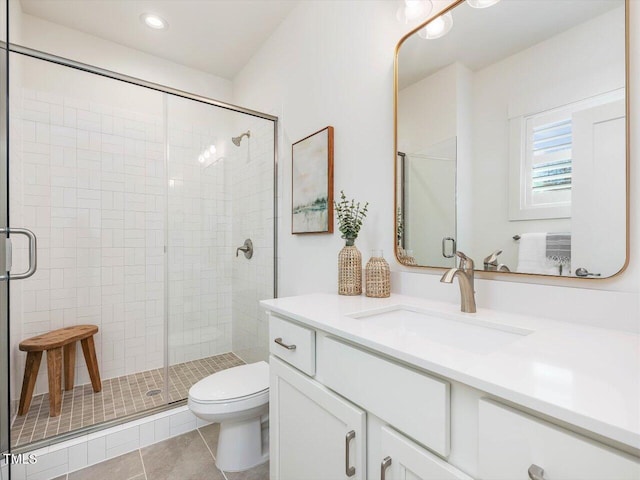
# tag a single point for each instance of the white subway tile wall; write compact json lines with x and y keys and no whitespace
{"x":252,"y":181}
{"x":89,"y":181}
{"x":199,"y":233}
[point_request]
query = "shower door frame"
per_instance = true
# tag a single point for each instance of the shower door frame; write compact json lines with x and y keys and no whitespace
{"x":5,"y":413}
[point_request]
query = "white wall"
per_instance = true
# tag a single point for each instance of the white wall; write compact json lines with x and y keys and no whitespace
{"x":331,"y":63}
{"x":435,"y":93}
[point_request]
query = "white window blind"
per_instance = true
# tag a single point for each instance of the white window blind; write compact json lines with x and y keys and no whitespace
{"x":551,"y":148}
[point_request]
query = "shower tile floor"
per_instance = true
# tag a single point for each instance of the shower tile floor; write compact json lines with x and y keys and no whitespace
{"x":120,"y":396}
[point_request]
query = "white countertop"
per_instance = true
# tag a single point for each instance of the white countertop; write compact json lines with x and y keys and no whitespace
{"x":585,"y":376}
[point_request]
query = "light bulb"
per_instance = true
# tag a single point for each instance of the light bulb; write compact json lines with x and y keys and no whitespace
{"x":411,"y":10}
{"x":435,"y":28}
{"x":481,"y":3}
{"x":212,"y":149}
{"x":438,"y":27}
{"x":201,"y":158}
{"x":207,"y":154}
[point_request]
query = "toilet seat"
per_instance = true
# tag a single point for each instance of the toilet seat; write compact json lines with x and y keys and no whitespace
{"x":237,"y":388}
{"x":263,"y":393}
{"x":232,"y":405}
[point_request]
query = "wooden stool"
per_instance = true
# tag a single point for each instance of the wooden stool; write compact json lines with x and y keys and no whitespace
{"x":54,"y":342}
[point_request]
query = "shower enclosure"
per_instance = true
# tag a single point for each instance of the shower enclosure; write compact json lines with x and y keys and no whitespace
{"x":139,"y":196}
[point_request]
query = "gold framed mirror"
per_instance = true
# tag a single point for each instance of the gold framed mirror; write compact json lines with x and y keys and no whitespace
{"x":511,"y":138}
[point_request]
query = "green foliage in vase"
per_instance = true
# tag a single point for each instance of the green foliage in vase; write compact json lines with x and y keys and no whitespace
{"x":350,"y":216}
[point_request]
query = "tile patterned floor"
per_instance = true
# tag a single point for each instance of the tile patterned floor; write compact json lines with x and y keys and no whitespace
{"x":190,"y":456}
{"x":120,"y":396}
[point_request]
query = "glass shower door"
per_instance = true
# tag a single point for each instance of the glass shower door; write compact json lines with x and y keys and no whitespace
{"x":87,"y":176}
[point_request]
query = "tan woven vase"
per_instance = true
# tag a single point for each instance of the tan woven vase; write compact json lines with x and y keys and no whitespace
{"x":377,"y":276}
{"x":349,"y":271}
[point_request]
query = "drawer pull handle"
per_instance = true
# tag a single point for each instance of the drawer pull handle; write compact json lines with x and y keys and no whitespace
{"x":386,"y":463}
{"x":282,"y":344}
{"x":536,"y":472}
{"x":350,"y":471}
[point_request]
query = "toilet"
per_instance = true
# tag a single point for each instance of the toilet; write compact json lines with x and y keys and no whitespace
{"x":237,"y":398}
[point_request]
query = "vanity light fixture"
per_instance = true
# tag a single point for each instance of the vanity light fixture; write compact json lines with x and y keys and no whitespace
{"x":411,"y":10}
{"x":481,"y":3}
{"x":154,"y":21}
{"x":438,"y":27}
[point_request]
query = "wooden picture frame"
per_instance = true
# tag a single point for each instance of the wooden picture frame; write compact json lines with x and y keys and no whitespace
{"x":312,"y":183}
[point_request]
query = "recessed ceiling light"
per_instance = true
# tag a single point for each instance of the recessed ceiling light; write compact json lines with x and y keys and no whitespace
{"x":154,"y":21}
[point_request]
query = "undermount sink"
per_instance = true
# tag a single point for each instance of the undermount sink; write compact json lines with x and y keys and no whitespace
{"x":465,"y":332}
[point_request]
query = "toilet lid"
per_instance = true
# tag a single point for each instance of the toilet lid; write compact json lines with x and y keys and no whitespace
{"x":235,"y":382}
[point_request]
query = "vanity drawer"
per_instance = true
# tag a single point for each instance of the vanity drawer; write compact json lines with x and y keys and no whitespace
{"x":511,"y":441}
{"x":412,"y":402}
{"x":293,"y":343}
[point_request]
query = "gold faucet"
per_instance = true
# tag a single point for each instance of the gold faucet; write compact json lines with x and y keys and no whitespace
{"x":465,"y":279}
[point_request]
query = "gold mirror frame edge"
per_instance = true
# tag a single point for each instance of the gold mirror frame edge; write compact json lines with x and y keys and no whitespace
{"x":500,"y":275}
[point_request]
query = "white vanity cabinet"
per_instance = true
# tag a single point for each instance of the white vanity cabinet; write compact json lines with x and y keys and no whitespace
{"x":341,"y":411}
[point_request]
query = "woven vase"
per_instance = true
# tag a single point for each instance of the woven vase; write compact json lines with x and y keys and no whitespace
{"x":406,"y":256}
{"x":349,"y":271}
{"x":377,"y":276}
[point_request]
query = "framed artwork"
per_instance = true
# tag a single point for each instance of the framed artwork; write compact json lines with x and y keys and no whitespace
{"x":312,"y":183}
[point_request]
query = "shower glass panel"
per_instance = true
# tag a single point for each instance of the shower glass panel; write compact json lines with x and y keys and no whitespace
{"x":139,"y":199}
{"x":220,"y":194}
{"x":87,"y":176}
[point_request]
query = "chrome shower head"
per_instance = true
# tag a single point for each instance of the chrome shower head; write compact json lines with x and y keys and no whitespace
{"x":236,"y":140}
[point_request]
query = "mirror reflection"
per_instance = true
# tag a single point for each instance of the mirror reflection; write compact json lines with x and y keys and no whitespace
{"x":511,"y":138}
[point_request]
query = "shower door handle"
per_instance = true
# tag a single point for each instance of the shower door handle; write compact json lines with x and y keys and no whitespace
{"x":453,"y":247}
{"x":33,"y":253}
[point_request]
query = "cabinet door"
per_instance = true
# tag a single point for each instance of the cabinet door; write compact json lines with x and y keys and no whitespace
{"x":405,"y":460}
{"x":314,"y":433}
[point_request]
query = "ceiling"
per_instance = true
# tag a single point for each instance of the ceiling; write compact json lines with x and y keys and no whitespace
{"x":481,"y":37}
{"x":215,"y":36}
